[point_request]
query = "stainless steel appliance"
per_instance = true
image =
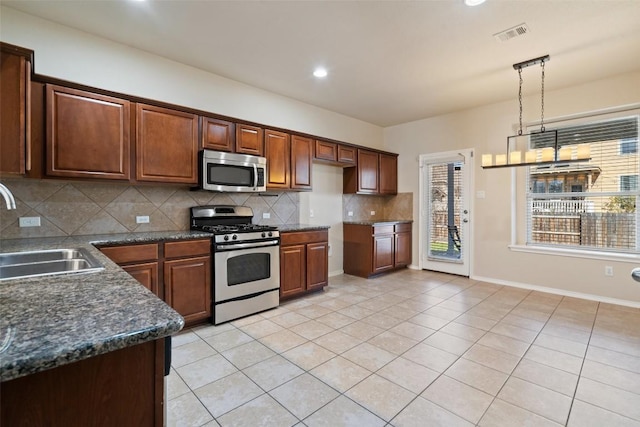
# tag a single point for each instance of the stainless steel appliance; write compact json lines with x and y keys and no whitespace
{"x":232,"y":172}
{"x":246,"y":261}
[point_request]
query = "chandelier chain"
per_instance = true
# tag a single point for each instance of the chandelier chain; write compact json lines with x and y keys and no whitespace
{"x":520,"y":98}
{"x":542,"y":99}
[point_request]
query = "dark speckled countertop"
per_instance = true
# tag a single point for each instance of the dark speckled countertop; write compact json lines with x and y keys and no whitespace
{"x":50,"y":321}
{"x":380,"y":221}
{"x":301,"y":227}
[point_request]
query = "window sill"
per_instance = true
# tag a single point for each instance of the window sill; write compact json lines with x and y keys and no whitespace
{"x":577,"y":253}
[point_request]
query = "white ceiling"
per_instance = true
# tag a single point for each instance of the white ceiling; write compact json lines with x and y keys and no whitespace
{"x":389,"y":62}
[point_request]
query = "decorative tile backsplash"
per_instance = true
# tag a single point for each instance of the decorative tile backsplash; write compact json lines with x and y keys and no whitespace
{"x":398,"y":207}
{"x":76,"y":208}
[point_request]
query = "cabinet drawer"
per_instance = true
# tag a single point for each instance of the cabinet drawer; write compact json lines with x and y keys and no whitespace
{"x":383,"y":229}
{"x":402,"y":227}
{"x":301,"y":237}
{"x":187,"y":248}
{"x":131,"y":253}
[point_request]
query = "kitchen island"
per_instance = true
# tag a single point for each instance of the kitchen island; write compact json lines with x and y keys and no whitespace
{"x":83,"y":349}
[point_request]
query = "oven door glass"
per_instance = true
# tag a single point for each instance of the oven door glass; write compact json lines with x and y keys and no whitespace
{"x":244,"y":272}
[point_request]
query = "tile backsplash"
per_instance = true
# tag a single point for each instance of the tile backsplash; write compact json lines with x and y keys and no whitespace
{"x":398,"y":207}
{"x":76,"y":208}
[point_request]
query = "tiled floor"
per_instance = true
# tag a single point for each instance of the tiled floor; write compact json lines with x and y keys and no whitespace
{"x":413,"y":348}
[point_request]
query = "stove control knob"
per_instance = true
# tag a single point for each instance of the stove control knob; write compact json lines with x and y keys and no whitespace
{"x":234,"y":237}
{"x":270,"y":234}
{"x":264,"y":235}
{"x":226,"y":238}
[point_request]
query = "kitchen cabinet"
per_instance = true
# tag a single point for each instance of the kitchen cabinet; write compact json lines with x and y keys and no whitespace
{"x":15,"y":109}
{"x":346,"y":155}
{"x":371,"y":249}
{"x":140,"y":261}
{"x":87,"y":134}
{"x":374,"y":173}
{"x":219,"y":135}
{"x":301,"y":153}
{"x":166,"y":145}
{"x":334,"y":153}
{"x":278,"y":153}
{"x":249,"y":140}
{"x":304,"y":262}
{"x":388,"y":174}
{"x":187,"y":279}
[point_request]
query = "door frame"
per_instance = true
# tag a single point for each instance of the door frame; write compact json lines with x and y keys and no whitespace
{"x":468,"y":157}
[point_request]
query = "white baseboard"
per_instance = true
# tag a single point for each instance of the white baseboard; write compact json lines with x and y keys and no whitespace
{"x":413,"y":267}
{"x":336,"y":273}
{"x":557,"y":291}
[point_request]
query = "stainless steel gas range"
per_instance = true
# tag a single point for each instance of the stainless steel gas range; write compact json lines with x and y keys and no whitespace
{"x":246,"y":261}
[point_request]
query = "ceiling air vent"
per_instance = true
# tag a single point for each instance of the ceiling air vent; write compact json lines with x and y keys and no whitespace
{"x":517,"y":31}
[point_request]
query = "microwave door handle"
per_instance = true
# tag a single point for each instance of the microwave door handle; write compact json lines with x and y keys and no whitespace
{"x":255,"y":176}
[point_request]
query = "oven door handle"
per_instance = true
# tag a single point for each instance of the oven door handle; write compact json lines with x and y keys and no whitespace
{"x":228,"y":247}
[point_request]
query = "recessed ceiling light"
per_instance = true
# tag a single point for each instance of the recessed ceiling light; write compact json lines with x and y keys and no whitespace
{"x":320,"y":72}
{"x":473,"y":2}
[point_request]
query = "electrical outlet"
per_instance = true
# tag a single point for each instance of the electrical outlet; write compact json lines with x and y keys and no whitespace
{"x":310,"y":213}
{"x":29,"y":221}
{"x":266,"y":215}
{"x":608,"y":270}
{"x":330,"y":252}
{"x":373,"y":212}
{"x":142,"y":219}
{"x":350,"y":213}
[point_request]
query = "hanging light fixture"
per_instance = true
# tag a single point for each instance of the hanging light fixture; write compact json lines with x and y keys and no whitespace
{"x":551,"y":153}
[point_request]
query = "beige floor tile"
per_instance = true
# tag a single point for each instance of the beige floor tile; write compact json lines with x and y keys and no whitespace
{"x":212,"y":423}
{"x":314,"y":311}
{"x":476,"y":375}
{"x":540,"y":316}
{"x":576,"y":335}
{"x":410,"y":375}
{"x":228,"y":393}
{"x":539,"y":400}
{"x":629,"y":347}
{"x":308,"y":355}
{"x":464,"y":401}
{"x":175,"y":385}
{"x":523,"y":322}
{"x":611,"y":398}
{"x":248,"y":354}
{"x":282,"y":341}
{"x":428,"y":321}
{"x":610,"y":375}
{"x":456,"y":305}
{"x":334,"y":304}
{"x":340,"y":373}
{"x":369,"y":356}
{"x":274,"y":312}
{"x":304,"y":395}
{"x":289,"y":319}
{"x":422,"y":413}
{"x":206,"y":331}
{"x":412,"y":331}
{"x":229,"y":339}
{"x":191,"y":352}
{"x":586,"y":415}
{"x":337,"y":341}
{"x":463,"y":331}
{"x":343,"y":412}
{"x":431,"y":357}
{"x":335,"y":320}
{"x":391,"y":342}
{"x":311,"y":329}
{"x":503,"y":414}
{"x":569,"y":322}
{"x":238,"y":323}
{"x":186,"y":411}
{"x":400,"y":312}
{"x":443,"y":313}
{"x":205,"y":371}
{"x":262,"y":411}
{"x":362,"y":330}
{"x":492,"y":358}
{"x":448,"y":343}
{"x":613,"y":358}
{"x":546,"y":376}
{"x":356,"y":312}
{"x":380,"y":396}
{"x":560,"y":344}
{"x":184,"y":337}
{"x":476,"y":321}
{"x":555,"y":359}
{"x":272,"y":372}
{"x":504,"y":343}
{"x":382,"y":320}
{"x":513,"y":331}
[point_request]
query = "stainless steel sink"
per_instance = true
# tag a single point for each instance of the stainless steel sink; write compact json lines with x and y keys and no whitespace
{"x":47,"y":262}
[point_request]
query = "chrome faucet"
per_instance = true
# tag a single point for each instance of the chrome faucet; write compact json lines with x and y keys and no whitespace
{"x":8,"y":197}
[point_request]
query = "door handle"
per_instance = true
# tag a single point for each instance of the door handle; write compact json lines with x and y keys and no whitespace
{"x":465,"y":220}
{"x":635,"y":274}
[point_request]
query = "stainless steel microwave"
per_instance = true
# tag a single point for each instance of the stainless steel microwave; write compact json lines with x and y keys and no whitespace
{"x":221,"y":171}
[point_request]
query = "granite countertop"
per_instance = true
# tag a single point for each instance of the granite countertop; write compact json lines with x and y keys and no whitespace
{"x":50,"y":321}
{"x":380,"y":221}
{"x":301,"y":227}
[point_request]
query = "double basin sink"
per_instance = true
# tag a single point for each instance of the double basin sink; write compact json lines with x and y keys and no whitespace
{"x":47,"y":262}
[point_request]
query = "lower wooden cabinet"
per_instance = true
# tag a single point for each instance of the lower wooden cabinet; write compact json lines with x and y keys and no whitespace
{"x":304,"y":262}
{"x":371,"y":249}
{"x":145,"y":273}
{"x":187,"y":287}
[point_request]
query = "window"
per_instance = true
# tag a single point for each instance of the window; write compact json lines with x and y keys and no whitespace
{"x":589,"y":204}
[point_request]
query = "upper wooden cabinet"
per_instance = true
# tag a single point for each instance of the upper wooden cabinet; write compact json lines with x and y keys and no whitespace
{"x":166,"y":145}
{"x":326,"y":151}
{"x":15,"y":82}
{"x":388,"y":174}
{"x":374,"y":173}
{"x":277,"y":151}
{"x":301,"y":152}
{"x":346,"y":155}
{"x":87,"y":134}
{"x":249,"y":140}
{"x":219,"y":135}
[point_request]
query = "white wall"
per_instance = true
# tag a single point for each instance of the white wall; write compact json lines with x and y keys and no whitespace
{"x":485,"y":129}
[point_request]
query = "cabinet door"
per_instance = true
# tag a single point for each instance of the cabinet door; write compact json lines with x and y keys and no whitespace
{"x":219,"y":135}
{"x":367,"y":172}
{"x":87,"y":135}
{"x":383,"y":252}
{"x":346,"y":155}
{"x":301,"y":148}
{"x":277,"y":152}
{"x":167,"y":145}
{"x":317,"y":265}
{"x":293,"y":271}
{"x":403,"y":249}
{"x":15,"y":75}
{"x":326,"y":151}
{"x":146,"y":274}
{"x":388,"y":174}
{"x":187,"y":287}
{"x":249,"y":140}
